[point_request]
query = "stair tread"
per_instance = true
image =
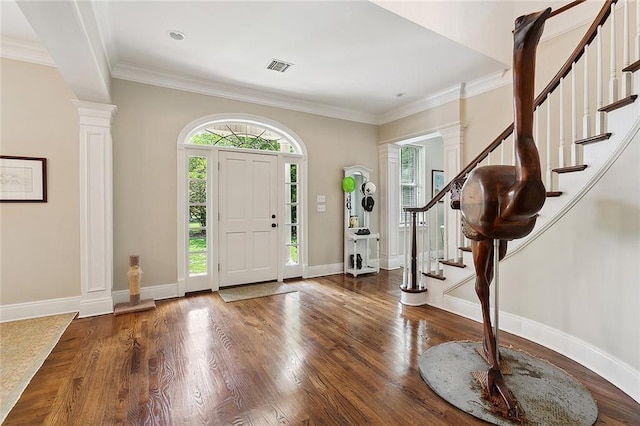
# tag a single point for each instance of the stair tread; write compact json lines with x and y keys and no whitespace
{"x":465,"y":249}
{"x":455,"y":263}
{"x":618,"y":104}
{"x":633,"y":67}
{"x":436,"y":276}
{"x":554,"y":194}
{"x":570,"y":169}
{"x":593,"y":139}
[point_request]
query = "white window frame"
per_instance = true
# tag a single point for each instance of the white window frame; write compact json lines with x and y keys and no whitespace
{"x":420,"y":179}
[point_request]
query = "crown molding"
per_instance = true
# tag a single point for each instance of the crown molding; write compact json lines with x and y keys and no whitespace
{"x":26,"y":51}
{"x":34,"y":52}
{"x":428,"y":102}
{"x":487,"y":83}
{"x":105,"y":32}
{"x":238,"y":93}
{"x":459,"y":91}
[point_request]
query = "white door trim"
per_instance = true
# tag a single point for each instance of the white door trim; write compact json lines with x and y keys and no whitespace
{"x":284,"y":271}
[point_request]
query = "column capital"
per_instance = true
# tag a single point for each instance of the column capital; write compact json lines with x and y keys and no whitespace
{"x":452,"y":134}
{"x":388,"y":150}
{"x":95,"y":114}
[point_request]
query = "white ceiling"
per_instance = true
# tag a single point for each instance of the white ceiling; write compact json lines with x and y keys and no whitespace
{"x":351,"y":58}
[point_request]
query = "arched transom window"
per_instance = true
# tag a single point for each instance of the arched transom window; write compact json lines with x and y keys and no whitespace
{"x":244,"y":135}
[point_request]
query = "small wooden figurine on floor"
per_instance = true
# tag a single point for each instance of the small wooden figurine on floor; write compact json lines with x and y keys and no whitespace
{"x":135,"y":304}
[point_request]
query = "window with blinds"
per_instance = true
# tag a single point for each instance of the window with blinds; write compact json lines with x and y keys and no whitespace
{"x":409,"y":177}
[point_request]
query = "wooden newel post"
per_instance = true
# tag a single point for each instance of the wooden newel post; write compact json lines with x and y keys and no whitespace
{"x":134,"y":274}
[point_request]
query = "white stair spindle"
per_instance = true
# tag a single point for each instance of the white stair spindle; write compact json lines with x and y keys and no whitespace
{"x":459,"y":234}
{"x":548,"y":146}
{"x":574,"y":117}
{"x":638,"y":30}
{"x":626,"y":60}
{"x":600,"y":129}
{"x":445,"y":231}
{"x":436,"y":231}
{"x":429,"y":232}
{"x":536,"y":127}
{"x":586,"y":118}
{"x":613,"y":73}
{"x":422,"y":232}
{"x":502,"y":143}
{"x":561,"y":148}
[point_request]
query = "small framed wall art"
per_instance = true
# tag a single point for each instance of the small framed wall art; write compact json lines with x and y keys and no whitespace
{"x":23,"y":179}
{"x":437,"y":182}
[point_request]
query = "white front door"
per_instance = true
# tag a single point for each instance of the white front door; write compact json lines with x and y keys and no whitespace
{"x":248,"y":197}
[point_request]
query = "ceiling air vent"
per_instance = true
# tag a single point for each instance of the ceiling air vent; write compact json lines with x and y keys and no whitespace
{"x":280,"y":66}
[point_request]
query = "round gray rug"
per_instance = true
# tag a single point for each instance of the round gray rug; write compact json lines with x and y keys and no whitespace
{"x":548,"y":395}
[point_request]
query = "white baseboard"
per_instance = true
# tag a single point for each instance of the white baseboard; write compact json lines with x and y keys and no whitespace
{"x":156,"y":292}
{"x":95,"y":307}
{"x":612,"y":369}
{"x":42,"y":308}
{"x":389,"y":263}
{"x":322,"y":270}
{"x":86,"y":308}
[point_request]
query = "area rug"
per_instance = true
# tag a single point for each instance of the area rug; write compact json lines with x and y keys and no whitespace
{"x":253,"y":291}
{"x":24,"y":346}
{"x":547,"y":394}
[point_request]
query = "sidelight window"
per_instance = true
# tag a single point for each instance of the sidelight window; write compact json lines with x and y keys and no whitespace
{"x":291,"y":210}
{"x":197,"y":182}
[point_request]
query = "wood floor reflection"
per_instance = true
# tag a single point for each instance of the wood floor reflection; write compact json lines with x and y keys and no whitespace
{"x":339,"y":351}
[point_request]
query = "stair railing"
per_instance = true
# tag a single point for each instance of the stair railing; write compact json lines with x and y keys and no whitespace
{"x":428,"y":242}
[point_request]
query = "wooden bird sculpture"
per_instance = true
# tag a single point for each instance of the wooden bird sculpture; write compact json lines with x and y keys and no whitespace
{"x":502,"y":202}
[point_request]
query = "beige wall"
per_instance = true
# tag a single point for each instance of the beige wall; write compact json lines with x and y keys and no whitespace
{"x":40,"y":242}
{"x":145,"y":133}
{"x":485,"y":116}
{"x":553,"y":53}
{"x":420,"y":123}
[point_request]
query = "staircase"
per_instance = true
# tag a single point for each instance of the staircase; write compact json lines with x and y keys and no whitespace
{"x":585,"y":118}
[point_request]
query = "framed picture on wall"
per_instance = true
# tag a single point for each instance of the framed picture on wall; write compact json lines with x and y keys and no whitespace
{"x":437,"y":182}
{"x":23,"y":179}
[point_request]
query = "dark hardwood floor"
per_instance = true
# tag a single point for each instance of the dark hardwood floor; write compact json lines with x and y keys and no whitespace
{"x":339,"y":351}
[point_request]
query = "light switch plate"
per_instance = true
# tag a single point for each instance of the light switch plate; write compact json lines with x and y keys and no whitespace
{"x":321,"y":199}
{"x":322,"y":208}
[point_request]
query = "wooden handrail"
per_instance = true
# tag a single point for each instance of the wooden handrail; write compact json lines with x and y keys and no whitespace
{"x":577,"y":53}
{"x":566,"y":7}
{"x":555,"y":81}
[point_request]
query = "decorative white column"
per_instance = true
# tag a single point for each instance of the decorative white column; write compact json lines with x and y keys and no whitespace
{"x":452,"y":137}
{"x":96,"y":208}
{"x":389,"y":199}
